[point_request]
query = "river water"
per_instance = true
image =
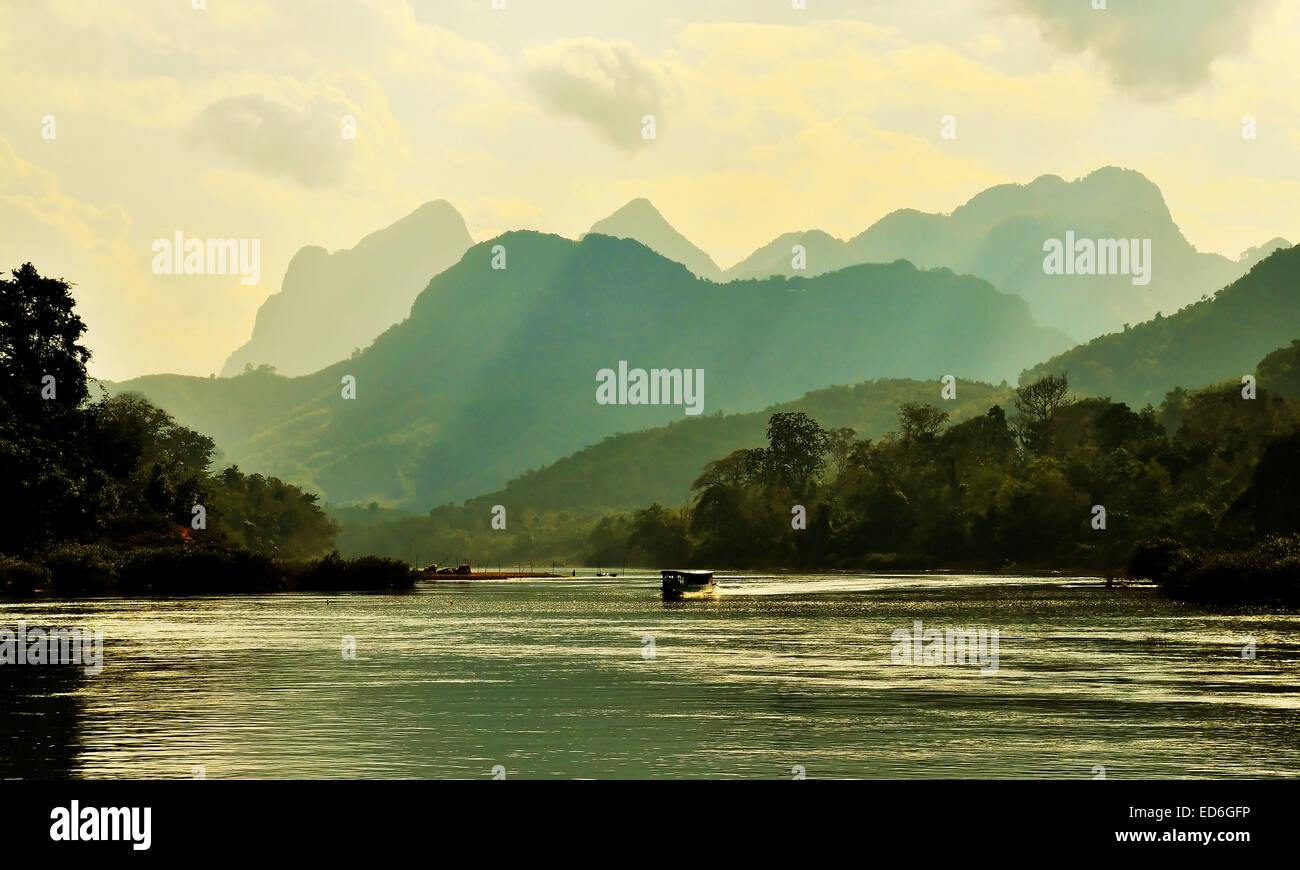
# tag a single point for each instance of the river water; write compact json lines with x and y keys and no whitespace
{"x":772,"y":677}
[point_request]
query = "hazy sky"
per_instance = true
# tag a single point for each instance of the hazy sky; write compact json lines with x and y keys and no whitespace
{"x":225,"y":122}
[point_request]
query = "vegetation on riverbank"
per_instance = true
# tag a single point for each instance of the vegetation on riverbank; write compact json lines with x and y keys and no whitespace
{"x":112,"y":496}
{"x":1265,"y":575}
{"x":1061,"y":483}
{"x":169,"y":570}
{"x":1064,"y":483}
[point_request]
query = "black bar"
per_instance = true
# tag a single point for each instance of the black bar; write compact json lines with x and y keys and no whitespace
{"x":998,"y":820}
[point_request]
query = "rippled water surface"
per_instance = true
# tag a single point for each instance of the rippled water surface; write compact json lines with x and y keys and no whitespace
{"x":553,"y":678}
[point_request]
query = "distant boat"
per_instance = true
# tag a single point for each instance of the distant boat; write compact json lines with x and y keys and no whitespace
{"x":675,"y":583}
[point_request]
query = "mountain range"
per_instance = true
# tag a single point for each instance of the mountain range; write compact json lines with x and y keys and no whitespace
{"x":330,"y":305}
{"x":495,"y":370}
{"x":1209,"y":342}
{"x":999,"y":236}
{"x":1194,"y":348}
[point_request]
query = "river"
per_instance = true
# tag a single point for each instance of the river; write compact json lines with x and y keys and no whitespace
{"x":773,"y":677}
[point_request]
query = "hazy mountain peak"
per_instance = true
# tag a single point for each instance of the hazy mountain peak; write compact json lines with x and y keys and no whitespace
{"x":641,"y":221}
{"x":1251,"y":256}
{"x":639,"y":208}
{"x":331,"y":304}
{"x":1129,"y":184}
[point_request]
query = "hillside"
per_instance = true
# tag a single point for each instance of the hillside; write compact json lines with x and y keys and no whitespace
{"x":636,"y":469}
{"x":332,"y":304}
{"x":1218,"y":338}
{"x":494,"y":372}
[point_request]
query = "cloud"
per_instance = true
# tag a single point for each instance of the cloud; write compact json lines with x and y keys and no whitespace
{"x":1154,"y":49}
{"x":609,"y":85}
{"x":273,"y":138}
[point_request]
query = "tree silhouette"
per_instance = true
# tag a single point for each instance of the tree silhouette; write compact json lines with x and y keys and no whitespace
{"x":39,"y":336}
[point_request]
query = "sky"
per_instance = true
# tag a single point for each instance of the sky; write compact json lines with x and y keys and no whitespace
{"x":122,"y":123}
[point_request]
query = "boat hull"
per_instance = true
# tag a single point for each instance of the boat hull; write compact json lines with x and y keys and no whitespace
{"x":677,"y":584}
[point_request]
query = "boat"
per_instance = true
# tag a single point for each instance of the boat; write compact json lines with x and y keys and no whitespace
{"x":676,"y":583}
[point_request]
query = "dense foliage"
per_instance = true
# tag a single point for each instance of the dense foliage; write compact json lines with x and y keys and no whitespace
{"x":111,"y":493}
{"x":994,"y":492}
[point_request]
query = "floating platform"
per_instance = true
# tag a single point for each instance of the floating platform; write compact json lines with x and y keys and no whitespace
{"x":493,"y":575}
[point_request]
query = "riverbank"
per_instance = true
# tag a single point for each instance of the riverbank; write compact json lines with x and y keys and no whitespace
{"x":1265,"y":575}
{"x":100,"y":570}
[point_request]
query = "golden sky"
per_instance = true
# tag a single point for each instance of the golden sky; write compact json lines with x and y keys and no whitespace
{"x":226,"y":122}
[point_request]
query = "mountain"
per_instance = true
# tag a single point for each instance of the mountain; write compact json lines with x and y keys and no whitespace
{"x":495,"y":371}
{"x":331,"y":304}
{"x":1217,"y":338}
{"x":999,"y":235}
{"x":1256,"y":254}
{"x":641,"y":221}
{"x":825,"y":253}
{"x":636,"y":469}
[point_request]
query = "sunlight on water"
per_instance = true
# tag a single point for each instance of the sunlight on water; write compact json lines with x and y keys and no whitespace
{"x":550,"y":678}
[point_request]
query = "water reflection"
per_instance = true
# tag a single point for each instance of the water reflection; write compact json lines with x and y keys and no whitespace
{"x":40,"y":721}
{"x":551,"y":679}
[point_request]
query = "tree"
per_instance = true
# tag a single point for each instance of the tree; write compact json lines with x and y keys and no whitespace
{"x":1272,"y":501}
{"x":842,"y":442}
{"x":1039,"y":399}
{"x":1036,"y":403}
{"x":1280,"y":370}
{"x":796,"y":451}
{"x":159,"y":468}
{"x":920,"y":422}
{"x":119,"y":471}
{"x":735,"y":468}
{"x":39,"y":337}
{"x":660,"y":534}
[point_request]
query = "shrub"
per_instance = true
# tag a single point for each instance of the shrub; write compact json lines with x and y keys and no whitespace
{"x":1267,"y":575}
{"x":83,"y":569}
{"x":1158,"y":561}
{"x":333,"y":573}
{"x":21,"y":578}
{"x":199,"y":570}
